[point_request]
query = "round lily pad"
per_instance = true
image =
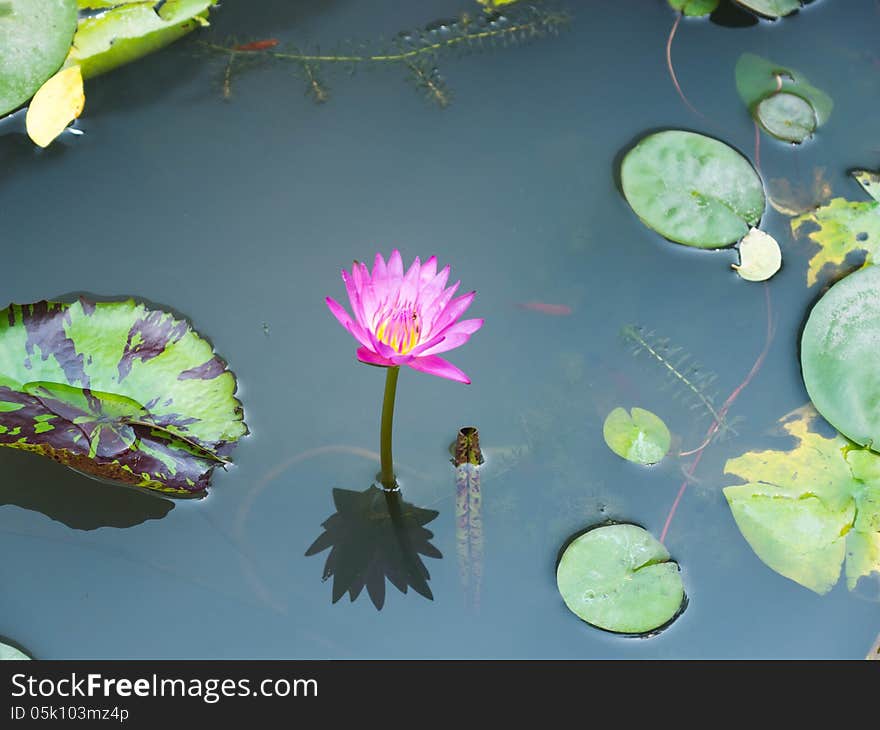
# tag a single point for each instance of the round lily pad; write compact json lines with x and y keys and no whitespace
{"x":35,"y":36}
{"x":620,"y":578}
{"x":8,"y":652}
{"x":692,"y":189}
{"x":694,"y":7}
{"x":787,"y":117}
{"x":839,"y":356}
{"x":771,"y":8}
{"x":639,"y":436}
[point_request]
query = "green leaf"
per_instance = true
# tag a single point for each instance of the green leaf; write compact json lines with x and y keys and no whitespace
{"x":641,"y":437}
{"x":771,"y":8}
{"x":694,"y":7}
{"x":35,"y":37}
{"x":116,"y":390}
{"x":787,"y":117}
{"x":130,"y":31}
{"x":620,"y":578}
{"x":805,"y":510}
{"x":839,"y":350}
{"x":757,"y":79}
{"x":692,"y":189}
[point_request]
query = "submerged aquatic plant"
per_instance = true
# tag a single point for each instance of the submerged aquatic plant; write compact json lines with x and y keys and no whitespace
{"x":415,"y":51}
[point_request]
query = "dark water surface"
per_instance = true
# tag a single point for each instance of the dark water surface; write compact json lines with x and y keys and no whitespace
{"x":239,"y":214}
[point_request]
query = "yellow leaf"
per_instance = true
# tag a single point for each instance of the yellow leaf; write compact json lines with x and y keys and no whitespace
{"x":489,"y":4}
{"x":55,"y":105}
{"x":759,"y":256}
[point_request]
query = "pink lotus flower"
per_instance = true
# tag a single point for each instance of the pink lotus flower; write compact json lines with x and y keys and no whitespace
{"x":406,"y":319}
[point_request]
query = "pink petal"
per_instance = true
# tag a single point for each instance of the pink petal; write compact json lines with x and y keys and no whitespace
{"x":354,"y":298}
{"x":380,"y":272}
{"x":434,"y":365}
{"x":428,"y":272}
{"x":395,"y":266}
{"x":365,"y":354}
{"x":432,"y":310}
{"x":410,"y":286}
{"x":346,"y":321}
{"x":453,"y":311}
{"x":454,"y":336}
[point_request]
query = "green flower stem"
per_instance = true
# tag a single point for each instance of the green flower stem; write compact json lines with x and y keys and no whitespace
{"x":386,"y":476}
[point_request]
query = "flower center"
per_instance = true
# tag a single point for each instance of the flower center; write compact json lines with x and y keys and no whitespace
{"x":400,"y":330}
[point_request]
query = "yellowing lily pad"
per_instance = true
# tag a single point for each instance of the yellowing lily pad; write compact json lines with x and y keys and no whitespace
{"x":57,"y":103}
{"x":759,"y":256}
{"x":639,"y":436}
{"x":125,"y":33}
{"x":843,"y":227}
{"x":804,"y":511}
{"x":35,"y":37}
{"x":620,"y":578}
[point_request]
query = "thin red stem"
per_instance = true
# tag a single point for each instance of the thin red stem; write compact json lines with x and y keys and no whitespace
{"x":672,"y":70}
{"x":722,"y":412}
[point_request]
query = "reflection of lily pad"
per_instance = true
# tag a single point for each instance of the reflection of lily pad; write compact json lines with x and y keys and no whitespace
{"x":771,"y":8}
{"x":118,"y":391}
{"x":839,"y":351}
{"x":692,"y":189}
{"x":35,"y":36}
{"x":620,"y":578}
{"x":641,"y":437}
{"x":806,"y":510}
{"x":786,"y":116}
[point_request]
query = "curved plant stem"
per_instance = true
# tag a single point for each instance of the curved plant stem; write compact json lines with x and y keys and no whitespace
{"x":672,"y":70}
{"x":722,"y":413}
{"x":386,"y":474}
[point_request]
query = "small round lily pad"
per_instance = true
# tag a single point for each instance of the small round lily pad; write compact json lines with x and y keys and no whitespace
{"x":639,"y":436}
{"x":692,"y":189}
{"x":771,"y":8}
{"x":787,"y":117}
{"x":759,"y":256}
{"x":620,"y":578}
{"x":35,"y":36}
{"x":839,"y":358}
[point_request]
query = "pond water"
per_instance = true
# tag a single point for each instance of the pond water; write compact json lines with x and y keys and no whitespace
{"x":239,"y":213}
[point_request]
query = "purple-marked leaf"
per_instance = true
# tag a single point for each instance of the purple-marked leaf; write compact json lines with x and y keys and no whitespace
{"x":116,"y":390}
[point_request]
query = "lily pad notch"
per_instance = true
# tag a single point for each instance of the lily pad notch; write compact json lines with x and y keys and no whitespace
{"x":119,"y":391}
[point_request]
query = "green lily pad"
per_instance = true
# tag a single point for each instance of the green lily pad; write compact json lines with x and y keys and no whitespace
{"x":787,"y":117}
{"x":694,"y":7}
{"x":771,"y":8}
{"x":839,"y":351}
{"x":692,"y":189}
{"x":806,"y":510}
{"x":757,"y":79}
{"x":620,"y":578}
{"x":35,"y":37}
{"x":641,"y":436}
{"x":116,"y":390}
{"x":8,"y":652}
{"x":132,"y":30}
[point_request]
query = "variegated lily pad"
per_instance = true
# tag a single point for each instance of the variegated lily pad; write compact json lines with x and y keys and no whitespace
{"x":116,"y":390}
